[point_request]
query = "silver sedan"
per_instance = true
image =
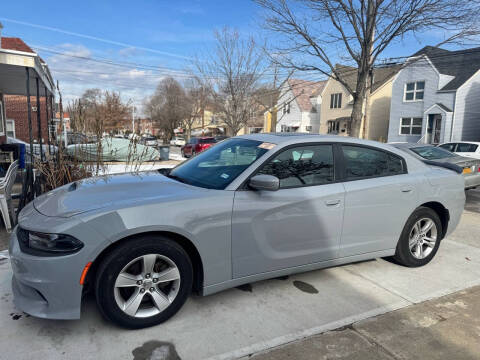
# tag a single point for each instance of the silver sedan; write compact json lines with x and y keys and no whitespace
{"x":250,"y":208}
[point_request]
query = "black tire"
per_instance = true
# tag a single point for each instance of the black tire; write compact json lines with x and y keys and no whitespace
{"x":121,"y":256}
{"x":403,"y":254}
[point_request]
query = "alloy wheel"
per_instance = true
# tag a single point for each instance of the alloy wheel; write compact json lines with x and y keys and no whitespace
{"x":423,"y":238}
{"x":147,"y":285}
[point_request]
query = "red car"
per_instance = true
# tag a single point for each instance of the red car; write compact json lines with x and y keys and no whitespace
{"x":197,"y":145}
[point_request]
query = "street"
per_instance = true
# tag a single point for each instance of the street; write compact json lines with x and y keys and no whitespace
{"x":257,"y":317}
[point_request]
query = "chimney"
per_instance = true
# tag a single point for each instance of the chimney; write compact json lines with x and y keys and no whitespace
{"x":1,"y":27}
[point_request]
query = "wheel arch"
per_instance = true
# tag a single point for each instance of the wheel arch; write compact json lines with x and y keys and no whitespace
{"x":183,"y":241}
{"x":442,"y":213}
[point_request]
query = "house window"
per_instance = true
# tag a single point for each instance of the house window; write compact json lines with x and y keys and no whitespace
{"x":336,"y":101}
{"x":411,"y":126}
{"x":333,"y":126}
{"x":414,"y":91}
{"x":11,"y":128}
{"x":308,"y":128}
{"x":286,"y":108}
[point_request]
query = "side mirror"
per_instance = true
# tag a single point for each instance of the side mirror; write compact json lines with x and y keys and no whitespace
{"x":264,"y":182}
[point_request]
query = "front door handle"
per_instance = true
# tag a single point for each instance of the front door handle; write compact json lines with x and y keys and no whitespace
{"x":406,"y":190}
{"x":332,"y":202}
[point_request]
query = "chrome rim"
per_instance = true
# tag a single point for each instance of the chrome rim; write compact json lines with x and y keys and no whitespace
{"x":423,"y":238}
{"x":147,"y":285}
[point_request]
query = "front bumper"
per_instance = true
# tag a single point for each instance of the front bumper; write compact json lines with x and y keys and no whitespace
{"x":45,"y":287}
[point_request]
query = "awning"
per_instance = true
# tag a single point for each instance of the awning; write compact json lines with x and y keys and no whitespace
{"x":13,"y":75}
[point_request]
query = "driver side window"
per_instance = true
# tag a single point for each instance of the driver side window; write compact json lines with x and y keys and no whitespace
{"x":302,"y":166}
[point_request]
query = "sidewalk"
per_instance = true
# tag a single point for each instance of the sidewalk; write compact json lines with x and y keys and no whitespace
{"x":444,"y":328}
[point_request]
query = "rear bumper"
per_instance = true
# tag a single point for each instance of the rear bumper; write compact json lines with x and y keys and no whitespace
{"x":472,"y":181}
{"x":45,"y":287}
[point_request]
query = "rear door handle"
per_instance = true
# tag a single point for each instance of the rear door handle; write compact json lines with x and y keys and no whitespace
{"x":406,"y":190}
{"x":332,"y":202}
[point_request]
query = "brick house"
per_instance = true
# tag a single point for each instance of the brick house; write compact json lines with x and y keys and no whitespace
{"x":17,"y":117}
{"x":19,"y":66}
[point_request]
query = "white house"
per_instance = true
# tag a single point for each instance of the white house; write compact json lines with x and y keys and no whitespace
{"x":298,"y":106}
{"x":436,"y":97}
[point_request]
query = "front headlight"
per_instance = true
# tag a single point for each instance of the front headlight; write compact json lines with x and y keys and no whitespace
{"x":47,"y":244}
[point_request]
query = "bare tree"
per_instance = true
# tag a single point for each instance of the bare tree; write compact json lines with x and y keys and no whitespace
{"x":232,"y":73}
{"x":98,"y":106}
{"x":317,"y":32}
{"x":168,"y":106}
{"x":197,"y":96}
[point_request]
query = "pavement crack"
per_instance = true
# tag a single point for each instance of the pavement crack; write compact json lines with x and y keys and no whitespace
{"x":379,"y":285}
{"x":371,"y":340}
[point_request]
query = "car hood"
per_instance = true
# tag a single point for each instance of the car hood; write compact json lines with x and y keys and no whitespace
{"x":112,"y":191}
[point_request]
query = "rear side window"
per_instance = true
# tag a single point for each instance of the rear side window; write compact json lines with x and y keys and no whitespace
{"x":363,"y":162}
{"x":462,"y":147}
{"x":449,"y":147}
{"x":302,"y":166}
{"x":207,"y":141}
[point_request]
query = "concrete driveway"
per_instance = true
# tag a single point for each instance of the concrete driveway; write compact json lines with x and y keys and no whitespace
{"x":239,"y":322}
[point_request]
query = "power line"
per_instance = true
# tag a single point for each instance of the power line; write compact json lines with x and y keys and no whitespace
{"x":95,"y":38}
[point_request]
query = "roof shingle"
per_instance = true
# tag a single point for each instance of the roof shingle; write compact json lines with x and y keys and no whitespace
{"x":462,"y":64}
{"x":17,"y":44}
{"x":302,"y":91}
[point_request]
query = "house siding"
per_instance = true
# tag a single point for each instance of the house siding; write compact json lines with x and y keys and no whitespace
{"x":326,"y":114}
{"x":420,"y":70}
{"x":294,"y":118}
{"x":378,"y":115}
{"x":466,"y":125}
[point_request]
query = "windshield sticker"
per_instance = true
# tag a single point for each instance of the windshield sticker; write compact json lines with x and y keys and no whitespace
{"x":267,"y":145}
{"x":225,"y":176}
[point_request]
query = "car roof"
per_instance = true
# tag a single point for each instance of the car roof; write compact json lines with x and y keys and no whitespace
{"x":410,"y":145}
{"x":462,"y":142}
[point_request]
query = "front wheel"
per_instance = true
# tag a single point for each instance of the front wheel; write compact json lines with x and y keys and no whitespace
{"x":420,"y":238}
{"x":145,"y":284}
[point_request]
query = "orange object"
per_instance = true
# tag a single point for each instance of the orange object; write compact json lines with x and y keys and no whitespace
{"x":84,"y":273}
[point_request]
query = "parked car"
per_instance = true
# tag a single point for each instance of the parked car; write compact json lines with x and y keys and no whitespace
{"x":250,"y":208}
{"x":149,"y":141}
{"x":177,"y":141}
{"x":463,"y":148}
{"x":197,"y":145}
{"x":471,"y":167}
{"x":221,"y":138}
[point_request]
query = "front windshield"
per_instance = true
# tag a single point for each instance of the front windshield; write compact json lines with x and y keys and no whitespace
{"x":432,"y":153}
{"x":218,"y":166}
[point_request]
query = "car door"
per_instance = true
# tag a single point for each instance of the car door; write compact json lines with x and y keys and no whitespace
{"x":380,"y":195}
{"x":298,"y":224}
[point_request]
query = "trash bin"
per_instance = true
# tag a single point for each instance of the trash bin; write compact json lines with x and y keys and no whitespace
{"x":164,"y":152}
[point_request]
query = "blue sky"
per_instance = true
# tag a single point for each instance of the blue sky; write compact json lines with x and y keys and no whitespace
{"x":164,"y":33}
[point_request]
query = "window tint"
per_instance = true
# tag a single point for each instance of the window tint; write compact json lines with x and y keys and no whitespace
{"x":448,"y":147}
{"x":362,"y":162}
{"x":206,"y":141}
{"x":463,"y":147}
{"x":301,"y":166}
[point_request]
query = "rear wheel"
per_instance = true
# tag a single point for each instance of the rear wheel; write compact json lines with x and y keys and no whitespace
{"x":144,"y":282}
{"x":420,"y":238}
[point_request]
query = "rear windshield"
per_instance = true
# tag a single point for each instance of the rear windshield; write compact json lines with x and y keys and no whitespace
{"x":432,"y":153}
{"x":207,"y":141}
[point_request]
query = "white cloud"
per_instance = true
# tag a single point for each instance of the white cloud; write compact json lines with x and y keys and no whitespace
{"x":76,"y":75}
